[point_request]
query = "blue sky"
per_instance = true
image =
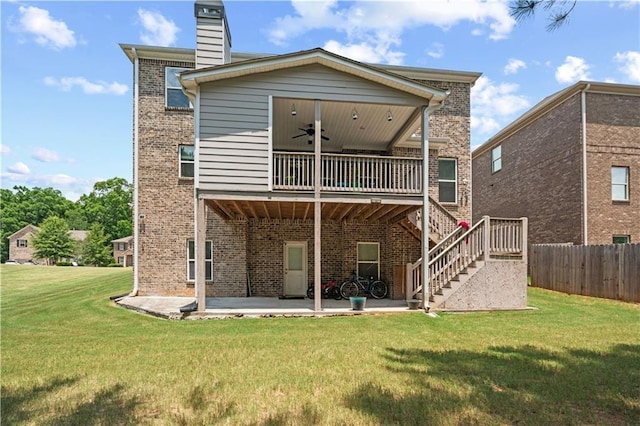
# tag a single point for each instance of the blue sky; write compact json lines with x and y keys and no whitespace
{"x":67,"y":87}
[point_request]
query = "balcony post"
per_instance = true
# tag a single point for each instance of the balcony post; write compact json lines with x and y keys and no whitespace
{"x":317,"y":212}
{"x":426,"y":281}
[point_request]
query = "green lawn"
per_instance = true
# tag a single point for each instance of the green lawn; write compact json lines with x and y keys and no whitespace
{"x":69,"y":356}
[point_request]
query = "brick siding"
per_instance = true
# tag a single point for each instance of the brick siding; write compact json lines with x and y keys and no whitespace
{"x":254,"y":249}
{"x":541,"y":176}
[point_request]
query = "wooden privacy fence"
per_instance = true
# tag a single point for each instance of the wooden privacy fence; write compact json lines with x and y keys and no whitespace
{"x":611,"y":271}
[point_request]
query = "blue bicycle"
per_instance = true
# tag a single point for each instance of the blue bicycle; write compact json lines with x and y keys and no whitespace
{"x":358,"y":284}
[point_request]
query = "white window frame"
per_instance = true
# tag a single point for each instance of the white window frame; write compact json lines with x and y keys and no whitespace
{"x":455,"y":181}
{"x":208,"y":261}
{"x":122,"y":246}
{"x":121,"y":260}
{"x":359,"y":262}
{"x":496,"y":159}
{"x":167,"y":87}
{"x":624,"y":184}
{"x":626,"y":237}
{"x":22,"y":243}
{"x":181,"y":161}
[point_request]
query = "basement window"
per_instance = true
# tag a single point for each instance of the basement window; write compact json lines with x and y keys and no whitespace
{"x":621,"y":239}
{"x":191,"y":261}
{"x":369,"y":260}
{"x":174,"y":96}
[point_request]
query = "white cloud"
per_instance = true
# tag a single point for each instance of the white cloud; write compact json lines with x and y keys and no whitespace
{"x":365,"y":52}
{"x":44,"y":155}
{"x":625,"y":4}
{"x":630,"y":64}
{"x":572,"y":70}
{"x":514,"y":65}
{"x":19,"y":168}
{"x":157,"y":30}
{"x":5,"y":150}
{"x":370,"y":23}
{"x":89,"y":88}
{"x":46,"y":30}
{"x":494,"y":104}
{"x":436,"y":51}
{"x":71,"y":187}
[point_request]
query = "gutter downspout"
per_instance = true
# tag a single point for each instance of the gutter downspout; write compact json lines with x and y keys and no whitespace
{"x":585,"y":235}
{"x":136,"y":208}
{"x":424,"y":268}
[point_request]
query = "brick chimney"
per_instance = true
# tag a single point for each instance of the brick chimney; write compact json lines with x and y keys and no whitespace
{"x":213,"y":39}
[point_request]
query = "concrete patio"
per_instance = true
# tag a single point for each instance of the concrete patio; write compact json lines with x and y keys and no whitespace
{"x":256,"y":307}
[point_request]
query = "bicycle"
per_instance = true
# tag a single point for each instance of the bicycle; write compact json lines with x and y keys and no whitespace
{"x":357,"y":284}
{"x":328,"y":289}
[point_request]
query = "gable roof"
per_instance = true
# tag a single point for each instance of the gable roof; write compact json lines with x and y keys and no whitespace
{"x":552,"y":101}
{"x":191,"y":79}
{"x":123,"y":239}
{"x":75,"y":234}
{"x":24,"y":230}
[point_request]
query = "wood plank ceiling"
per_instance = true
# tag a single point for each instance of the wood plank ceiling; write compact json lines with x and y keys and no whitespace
{"x":245,"y":210}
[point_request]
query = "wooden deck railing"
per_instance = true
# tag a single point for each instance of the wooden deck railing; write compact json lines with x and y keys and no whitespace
{"x":441,"y":221}
{"x":348,"y":173}
{"x":490,"y":239}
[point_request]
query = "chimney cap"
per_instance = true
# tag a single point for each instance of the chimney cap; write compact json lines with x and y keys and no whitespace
{"x":209,"y":9}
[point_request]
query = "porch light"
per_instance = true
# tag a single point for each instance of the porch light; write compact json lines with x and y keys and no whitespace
{"x":354,"y":114}
{"x":293,"y":109}
{"x":389,"y":116}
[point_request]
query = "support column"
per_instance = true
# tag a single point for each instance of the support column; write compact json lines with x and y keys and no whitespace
{"x":200,"y":244}
{"x":426,"y":282}
{"x":317,"y":212}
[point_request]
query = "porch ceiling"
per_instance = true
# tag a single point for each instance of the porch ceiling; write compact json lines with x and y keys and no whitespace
{"x":335,"y":211}
{"x":371,"y":131}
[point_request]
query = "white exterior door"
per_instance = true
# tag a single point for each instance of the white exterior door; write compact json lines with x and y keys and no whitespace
{"x":295,"y":268}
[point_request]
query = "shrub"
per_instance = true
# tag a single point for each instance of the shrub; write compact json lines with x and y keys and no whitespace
{"x":64,"y":264}
{"x":115,"y":265}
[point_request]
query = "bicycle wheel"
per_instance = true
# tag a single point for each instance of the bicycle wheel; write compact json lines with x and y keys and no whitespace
{"x":335,"y":293}
{"x":310,"y":292}
{"x":349,"y":289}
{"x":378,"y":289}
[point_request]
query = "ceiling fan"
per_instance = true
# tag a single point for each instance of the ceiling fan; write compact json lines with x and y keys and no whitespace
{"x":310,"y":131}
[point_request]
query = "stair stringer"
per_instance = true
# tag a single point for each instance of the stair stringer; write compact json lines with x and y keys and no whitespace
{"x":493,"y":285}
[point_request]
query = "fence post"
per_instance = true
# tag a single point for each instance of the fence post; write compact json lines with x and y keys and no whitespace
{"x":408,"y":280}
{"x":487,"y":237}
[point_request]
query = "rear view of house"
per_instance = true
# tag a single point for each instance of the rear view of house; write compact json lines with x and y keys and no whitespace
{"x":571,"y":164}
{"x":260,"y":175}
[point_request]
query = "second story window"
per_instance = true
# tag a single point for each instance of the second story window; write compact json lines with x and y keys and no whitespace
{"x":21,"y":243}
{"x":187,"y":161}
{"x":496,"y":159}
{"x":174,"y":96}
{"x":447,"y":180}
{"x":620,"y":183}
{"x":122,"y":246}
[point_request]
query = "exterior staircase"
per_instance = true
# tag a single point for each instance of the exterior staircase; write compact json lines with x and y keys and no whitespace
{"x":441,"y":223}
{"x":459,"y":256}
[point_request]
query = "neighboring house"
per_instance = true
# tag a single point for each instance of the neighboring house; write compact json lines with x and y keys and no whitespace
{"x":571,"y":164}
{"x":21,"y":247}
{"x":123,"y":251}
{"x":261,"y":174}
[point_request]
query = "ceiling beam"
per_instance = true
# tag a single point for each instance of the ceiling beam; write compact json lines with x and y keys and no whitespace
{"x":406,"y":130}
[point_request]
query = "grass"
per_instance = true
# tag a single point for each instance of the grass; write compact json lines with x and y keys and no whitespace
{"x":69,"y":356}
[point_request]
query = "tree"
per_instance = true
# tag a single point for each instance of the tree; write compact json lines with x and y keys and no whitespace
{"x":95,"y":250}
{"x":24,"y":206}
{"x":109,"y":204}
{"x":53,"y":241}
{"x":558,"y":11}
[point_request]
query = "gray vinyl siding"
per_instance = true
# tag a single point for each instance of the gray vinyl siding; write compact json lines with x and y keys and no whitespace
{"x":234,"y":118}
{"x":212,"y":47}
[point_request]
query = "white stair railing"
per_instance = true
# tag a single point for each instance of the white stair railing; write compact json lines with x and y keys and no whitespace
{"x":490,"y":238}
{"x":441,"y":221}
